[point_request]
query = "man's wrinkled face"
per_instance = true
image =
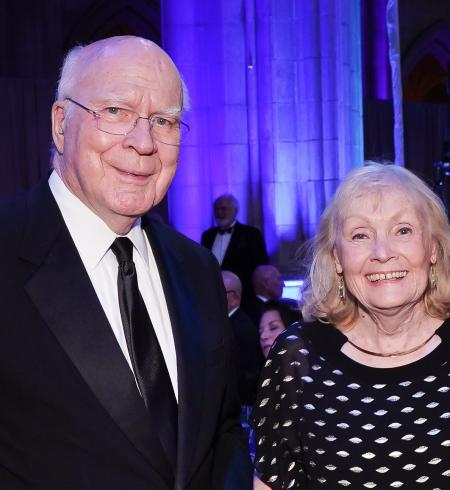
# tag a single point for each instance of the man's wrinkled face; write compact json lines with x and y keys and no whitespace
{"x":119,"y":177}
{"x":274,"y":284}
{"x":224,"y":212}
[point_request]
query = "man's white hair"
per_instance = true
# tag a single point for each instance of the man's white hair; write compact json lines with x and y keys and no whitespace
{"x":230,"y":198}
{"x":74,"y":67}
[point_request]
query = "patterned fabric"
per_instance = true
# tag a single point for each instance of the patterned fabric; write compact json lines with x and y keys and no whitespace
{"x":322,"y":420}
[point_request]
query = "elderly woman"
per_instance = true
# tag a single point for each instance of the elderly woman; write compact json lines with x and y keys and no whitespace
{"x":359,"y":397}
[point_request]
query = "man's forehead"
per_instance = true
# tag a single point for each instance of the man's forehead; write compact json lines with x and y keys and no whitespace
{"x":117,"y":45}
{"x":126,"y":79}
{"x":223,"y":202}
{"x":273,"y":274}
{"x":136,"y":54}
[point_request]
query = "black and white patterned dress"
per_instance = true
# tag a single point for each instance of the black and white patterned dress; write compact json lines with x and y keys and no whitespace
{"x":324,"y":421}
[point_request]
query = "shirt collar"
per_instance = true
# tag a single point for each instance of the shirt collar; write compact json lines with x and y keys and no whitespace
{"x":231,"y":313}
{"x":231,"y":226}
{"x":91,"y":234}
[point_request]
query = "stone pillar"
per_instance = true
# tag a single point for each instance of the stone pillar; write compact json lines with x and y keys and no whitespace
{"x":310,"y":107}
{"x":276,"y":98}
{"x":207,"y":42}
{"x":375,"y":59}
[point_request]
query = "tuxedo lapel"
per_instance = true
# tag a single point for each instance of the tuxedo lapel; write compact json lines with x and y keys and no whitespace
{"x":63,"y":294}
{"x":187,"y":329}
{"x":209,"y":237}
{"x":232,"y":246}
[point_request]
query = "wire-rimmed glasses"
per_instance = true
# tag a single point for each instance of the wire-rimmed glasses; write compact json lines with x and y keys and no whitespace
{"x":120,"y":122}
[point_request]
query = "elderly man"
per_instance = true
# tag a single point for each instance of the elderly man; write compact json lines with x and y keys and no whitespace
{"x":249,"y":357}
{"x":238,"y":248}
{"x":114,"y":341}
{"x":268,"y":285}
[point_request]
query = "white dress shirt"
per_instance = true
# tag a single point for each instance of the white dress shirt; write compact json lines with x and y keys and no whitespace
{"x":231,"y":313}
{"x":220,"y":244}
{"x":93,"y":240}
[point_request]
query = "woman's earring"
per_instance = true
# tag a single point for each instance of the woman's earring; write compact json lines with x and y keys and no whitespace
{"x":434,"y":277}
{"x":341,"y":288}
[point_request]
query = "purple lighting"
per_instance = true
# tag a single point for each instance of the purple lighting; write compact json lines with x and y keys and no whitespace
{"x":377,"y":71}
{"x":276,"y":112}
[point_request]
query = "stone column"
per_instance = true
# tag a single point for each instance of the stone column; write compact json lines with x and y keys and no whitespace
{"x":276,"y":98}
{"x":310,"y":107}
{"x":207,"y":42}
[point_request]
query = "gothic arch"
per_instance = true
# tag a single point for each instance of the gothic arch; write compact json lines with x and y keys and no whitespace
{"x":425,"y":65}
{"x":106,"y":18}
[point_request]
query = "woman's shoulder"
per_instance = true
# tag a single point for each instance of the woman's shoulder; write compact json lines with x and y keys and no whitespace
{"x":319,"y":336}
{"x":444,"y":330}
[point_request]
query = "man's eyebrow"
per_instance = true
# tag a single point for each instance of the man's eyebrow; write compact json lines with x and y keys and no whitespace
{"x":170,"y":111}
{"x":117,"y":99}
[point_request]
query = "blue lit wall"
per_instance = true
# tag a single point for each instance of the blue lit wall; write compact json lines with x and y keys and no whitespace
{"x":276,"y":110}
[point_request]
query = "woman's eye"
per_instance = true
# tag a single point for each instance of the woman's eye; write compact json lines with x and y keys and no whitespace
{"x":276,"y":326}
{"x":359,"y":236}
{"x":404,"y":230}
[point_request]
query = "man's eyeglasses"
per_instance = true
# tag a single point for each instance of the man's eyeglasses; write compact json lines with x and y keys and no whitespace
{"x":120,"y":122}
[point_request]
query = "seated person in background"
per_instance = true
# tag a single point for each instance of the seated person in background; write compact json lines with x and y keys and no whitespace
{"x":268,"y":285}
{"x":359,"y":397}
{"x":273,"y":321}
{"x":238,"y":248}
{"x":248,"y":356}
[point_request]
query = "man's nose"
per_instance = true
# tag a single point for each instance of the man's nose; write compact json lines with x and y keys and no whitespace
{"x":141,"y":138}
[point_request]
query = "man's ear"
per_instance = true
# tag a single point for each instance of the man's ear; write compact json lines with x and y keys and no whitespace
{"x":337,"y":262}
{"x":58,"y":118}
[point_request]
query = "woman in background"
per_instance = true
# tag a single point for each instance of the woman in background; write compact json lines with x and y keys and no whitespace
{"x":274,"y":320}
{"x":359,"y":397}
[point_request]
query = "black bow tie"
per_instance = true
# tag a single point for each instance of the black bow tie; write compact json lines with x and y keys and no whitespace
{"x":225,"y":230}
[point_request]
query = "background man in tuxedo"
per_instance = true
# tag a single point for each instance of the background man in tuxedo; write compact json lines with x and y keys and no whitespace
{"x":249,"y":358}
{"x":114,"y":340}
{"x":238,"y":248}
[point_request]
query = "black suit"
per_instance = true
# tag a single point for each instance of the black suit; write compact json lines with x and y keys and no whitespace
{"x":245,"y":252}
{"x":249,"y":357}
{"x":71,"y":417}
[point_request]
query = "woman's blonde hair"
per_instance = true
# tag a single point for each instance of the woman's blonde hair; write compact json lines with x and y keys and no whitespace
{"x":321,"y":298}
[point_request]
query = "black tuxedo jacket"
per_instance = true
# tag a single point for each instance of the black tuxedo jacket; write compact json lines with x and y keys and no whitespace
{"x":245,"y":252}
{"x":71,"y":417}
{"x":249,"y":358}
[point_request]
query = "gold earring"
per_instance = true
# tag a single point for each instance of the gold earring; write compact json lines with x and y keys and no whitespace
{"x":434,"y":277}
{"x":341,"y":288}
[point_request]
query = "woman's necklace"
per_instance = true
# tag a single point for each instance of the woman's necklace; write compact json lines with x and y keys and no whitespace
{"x":391,"y":354}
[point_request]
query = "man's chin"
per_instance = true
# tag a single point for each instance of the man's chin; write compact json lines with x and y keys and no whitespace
{"x":133,"y":206}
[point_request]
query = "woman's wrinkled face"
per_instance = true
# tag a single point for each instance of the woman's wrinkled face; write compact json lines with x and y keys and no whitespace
{"x":382,"y":251}
{"x":270,"y":326}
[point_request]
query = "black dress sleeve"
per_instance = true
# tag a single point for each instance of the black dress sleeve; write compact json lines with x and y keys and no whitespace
{"x":279,"y":458}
